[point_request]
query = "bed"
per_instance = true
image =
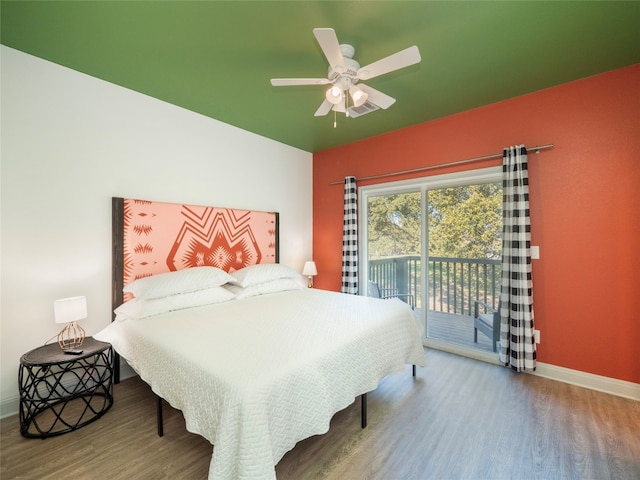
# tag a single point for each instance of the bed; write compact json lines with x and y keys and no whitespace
{"x":256,"y":363}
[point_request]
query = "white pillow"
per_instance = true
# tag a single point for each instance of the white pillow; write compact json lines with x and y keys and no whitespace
{"x":272,"y":286}
{"x":140,"y":308}
{"x":174,"y":283}
{"x":265,"y":272}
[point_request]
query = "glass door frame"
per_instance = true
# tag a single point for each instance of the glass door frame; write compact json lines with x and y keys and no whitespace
{"x":422,"y":185}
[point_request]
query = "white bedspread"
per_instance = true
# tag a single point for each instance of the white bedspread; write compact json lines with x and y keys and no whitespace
{"x":256,"y":376}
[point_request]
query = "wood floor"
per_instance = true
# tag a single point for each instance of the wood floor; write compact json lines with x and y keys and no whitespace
{"x":459,"y":419}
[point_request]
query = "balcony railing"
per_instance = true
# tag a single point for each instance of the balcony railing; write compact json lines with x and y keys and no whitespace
{"x":452,"y":283}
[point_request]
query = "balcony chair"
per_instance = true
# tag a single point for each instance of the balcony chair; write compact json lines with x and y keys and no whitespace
{"x":487,"y":323}
{"x":377,"y":292}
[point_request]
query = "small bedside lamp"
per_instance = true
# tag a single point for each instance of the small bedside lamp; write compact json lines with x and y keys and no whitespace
{"x":310,"y":270}
{"x":69,"y":311}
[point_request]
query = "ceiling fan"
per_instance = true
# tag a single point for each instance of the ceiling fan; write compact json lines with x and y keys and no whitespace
{"x":345,"y":74}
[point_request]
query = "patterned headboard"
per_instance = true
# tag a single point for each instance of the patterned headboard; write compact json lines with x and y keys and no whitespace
{"x":155,"y":237}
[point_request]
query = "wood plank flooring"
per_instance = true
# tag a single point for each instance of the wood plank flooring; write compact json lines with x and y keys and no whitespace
{"x":459,"y":419}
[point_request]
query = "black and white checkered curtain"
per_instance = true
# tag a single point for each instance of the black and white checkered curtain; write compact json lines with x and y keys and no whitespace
{"x":517,"y":342}
{"x":350,"y":237}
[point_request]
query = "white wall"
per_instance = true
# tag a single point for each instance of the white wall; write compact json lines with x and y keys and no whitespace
{"x":70,"y":142}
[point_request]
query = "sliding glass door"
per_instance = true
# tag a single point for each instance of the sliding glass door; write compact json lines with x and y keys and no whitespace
{"x":463,"y":266}
{"x":435,"y":243}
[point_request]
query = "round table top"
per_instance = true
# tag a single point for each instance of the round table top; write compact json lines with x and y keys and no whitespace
{"x":52,"y":354}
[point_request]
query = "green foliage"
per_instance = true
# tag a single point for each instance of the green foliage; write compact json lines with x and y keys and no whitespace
{"x":394,"y":225}
{"x":463,"y":222}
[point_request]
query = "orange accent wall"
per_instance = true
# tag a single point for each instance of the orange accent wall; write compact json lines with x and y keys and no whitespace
{"x":584,"y":199}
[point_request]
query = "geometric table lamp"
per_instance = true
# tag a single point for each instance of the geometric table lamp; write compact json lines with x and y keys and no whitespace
{"x":69,"y":311}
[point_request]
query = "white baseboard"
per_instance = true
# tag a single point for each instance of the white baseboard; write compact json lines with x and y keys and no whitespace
{"x":620,"y":388}
{"x":9,"y":406}
{"x":609,"y":385}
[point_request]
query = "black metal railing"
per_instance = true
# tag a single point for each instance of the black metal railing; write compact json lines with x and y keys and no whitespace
{"x":452,"y":283}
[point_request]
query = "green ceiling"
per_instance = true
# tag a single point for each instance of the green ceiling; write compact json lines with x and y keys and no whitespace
{"x":217,"y":57}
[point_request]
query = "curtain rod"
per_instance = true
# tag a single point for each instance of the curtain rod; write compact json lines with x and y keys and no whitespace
{"x":441,"y":165}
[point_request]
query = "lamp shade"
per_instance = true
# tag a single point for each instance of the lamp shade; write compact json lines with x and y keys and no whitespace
{"x":335,"y":95}
{"x":70,"y":309}
{"x":309,"y":269}
{"x":358,"y":96}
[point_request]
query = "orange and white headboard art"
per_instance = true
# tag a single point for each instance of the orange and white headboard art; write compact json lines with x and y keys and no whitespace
{"x":155,"y":237}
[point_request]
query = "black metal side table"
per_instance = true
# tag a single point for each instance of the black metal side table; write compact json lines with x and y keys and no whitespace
{"x":60,"y":393}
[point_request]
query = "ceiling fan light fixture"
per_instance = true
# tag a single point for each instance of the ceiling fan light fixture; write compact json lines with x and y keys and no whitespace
{"x":335,"y":95}
{"x":339,"y":107}
{"x":358,"y":96}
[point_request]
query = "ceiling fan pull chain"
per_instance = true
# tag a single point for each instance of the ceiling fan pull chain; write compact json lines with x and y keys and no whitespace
{"x":335,"y":119}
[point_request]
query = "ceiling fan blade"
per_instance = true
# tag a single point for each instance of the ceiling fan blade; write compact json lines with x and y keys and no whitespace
{"x":324,"y":109}
{"x":331,"y":48}
{"x":401,"y":59}
{"x":376,"y":97}
{"x":286,"y":82}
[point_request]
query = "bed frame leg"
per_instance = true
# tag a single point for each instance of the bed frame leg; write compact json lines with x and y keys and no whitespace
{"x":116,"y":368}
{"x":363,"y":413}
{"x":160,"y":422}
{"x":414,"y":370}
